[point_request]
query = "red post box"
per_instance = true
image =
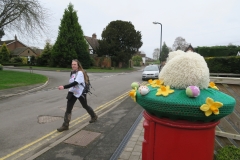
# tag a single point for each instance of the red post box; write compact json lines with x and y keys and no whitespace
{"x":166,"y":139}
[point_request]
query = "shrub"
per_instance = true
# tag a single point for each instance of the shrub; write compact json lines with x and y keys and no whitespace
{"x":16,"y":60}
{"x":1,"y":67}
{"x":228,"y":153}
{"x":24,"y":60}
{"x":136,"y":60}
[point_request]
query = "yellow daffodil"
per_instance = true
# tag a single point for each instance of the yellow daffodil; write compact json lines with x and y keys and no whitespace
{"x":212,"y":85}
{"x":150,"y":81}
{"x":133,"y":93}
{"x":155,"y":83}
{"x":211,"y":107}
{"x":164,"y":90}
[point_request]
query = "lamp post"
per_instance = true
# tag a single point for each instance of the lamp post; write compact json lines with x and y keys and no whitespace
{"x":160,"y":41}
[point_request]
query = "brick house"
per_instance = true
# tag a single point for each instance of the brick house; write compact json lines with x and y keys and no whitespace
{"x":18,"y":49}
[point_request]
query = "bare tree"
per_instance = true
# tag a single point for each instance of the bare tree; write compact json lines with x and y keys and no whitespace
{"x":180,"y":44}
{"x":26,"y":17}
{"x":156,"y":54}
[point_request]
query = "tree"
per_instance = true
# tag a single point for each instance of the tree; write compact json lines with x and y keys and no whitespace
{"x":2,"y":33}
{"x":180,"y":44}
{"x":27,"y":17}
{"x":156,"y":54}
{"x":70,"y":43}
{"x":44,"y":59}
{"x":4,"y":53}
{"x":164,"y":52}
{"x":170,"y":49}
{"x":120,"y":41}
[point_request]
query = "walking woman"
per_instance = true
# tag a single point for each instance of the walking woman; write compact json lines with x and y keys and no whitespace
{"x":76,"y":85}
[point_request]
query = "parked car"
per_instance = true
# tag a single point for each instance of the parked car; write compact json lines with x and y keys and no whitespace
{"x":150,"y":72}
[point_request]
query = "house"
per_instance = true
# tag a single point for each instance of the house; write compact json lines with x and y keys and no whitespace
{"x":18,"y":48}
{"x":92,"y":43}
{"x":189,"y":48}
{"x":149,"y":59}
{"x":23,"y":52}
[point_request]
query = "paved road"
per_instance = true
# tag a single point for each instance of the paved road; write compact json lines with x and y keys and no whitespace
{"x":26,"y":118}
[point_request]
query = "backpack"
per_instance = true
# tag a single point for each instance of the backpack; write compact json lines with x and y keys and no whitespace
{"x":87,"y":84}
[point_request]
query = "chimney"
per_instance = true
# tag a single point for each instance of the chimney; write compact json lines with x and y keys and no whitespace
{"x":94,"y":35}
{"x":15,"y":43}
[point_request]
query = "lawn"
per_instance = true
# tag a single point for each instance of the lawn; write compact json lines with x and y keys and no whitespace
{"x":11,"y":79}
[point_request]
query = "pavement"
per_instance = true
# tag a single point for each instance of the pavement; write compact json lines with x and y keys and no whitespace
{"x":117,"y":135}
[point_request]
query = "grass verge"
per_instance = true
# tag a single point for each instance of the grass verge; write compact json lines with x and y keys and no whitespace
{"x":11,"y":79}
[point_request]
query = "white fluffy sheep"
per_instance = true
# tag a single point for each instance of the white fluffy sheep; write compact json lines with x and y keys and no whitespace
{"x":183,"y":69}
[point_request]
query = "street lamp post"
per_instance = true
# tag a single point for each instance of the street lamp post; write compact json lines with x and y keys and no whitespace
{"x":160,"y":41}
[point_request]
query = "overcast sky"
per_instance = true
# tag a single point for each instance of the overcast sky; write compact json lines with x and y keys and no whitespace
{"x":201,"y":23}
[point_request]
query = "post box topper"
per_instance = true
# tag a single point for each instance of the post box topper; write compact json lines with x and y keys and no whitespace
{"x":184,"y":91}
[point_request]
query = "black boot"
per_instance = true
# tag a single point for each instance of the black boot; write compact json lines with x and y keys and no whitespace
{"x":65,"y":125}
{"x":93,"y":118}
{"x":93,"y":115}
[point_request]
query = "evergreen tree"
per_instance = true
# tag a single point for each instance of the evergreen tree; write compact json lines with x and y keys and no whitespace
{"x":44,"y":59}
{"x":164,"y":52}
{"x":4,"y":54}
{"x":120,"y":41}
{"x":70,"y":43}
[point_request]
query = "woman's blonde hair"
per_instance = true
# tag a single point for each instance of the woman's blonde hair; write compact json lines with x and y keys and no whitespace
{"x":80,"y":68}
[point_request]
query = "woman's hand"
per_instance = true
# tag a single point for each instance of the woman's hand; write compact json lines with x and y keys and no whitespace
{"x":60,"y":87}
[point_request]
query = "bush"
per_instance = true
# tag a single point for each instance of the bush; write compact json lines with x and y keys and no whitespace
{"x":24,"y":60}
{"x":92,"y":61}
{"x":16,"y":60}
{"x":1,"y":67}
{"x":228,"y":153}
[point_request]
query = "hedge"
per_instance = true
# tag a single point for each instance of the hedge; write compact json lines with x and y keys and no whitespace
{"x":229,"y":64}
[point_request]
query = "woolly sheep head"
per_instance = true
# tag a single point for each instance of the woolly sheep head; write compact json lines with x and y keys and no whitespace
{"x":184,"y":69}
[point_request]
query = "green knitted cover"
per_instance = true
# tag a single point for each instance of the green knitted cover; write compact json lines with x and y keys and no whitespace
{"x":178,"y":106}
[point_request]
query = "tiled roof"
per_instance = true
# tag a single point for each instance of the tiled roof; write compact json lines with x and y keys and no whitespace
{"x":140,"y":54}
{"x":19,"y":50}
{"x":38,"y":51}
{"x":92,"y":41}
{"x":7,"y":42}
{"x":189,"y":48}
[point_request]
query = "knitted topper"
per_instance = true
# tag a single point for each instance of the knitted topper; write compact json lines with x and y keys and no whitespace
{"x":184,"y":91}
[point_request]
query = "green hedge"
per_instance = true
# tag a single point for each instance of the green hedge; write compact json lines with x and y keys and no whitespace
{"x":228,"y":153}
{"x":1,"y":67}
{"x":224,"y":64}
{"x":9,"y":64}
{"x":218,"y":51}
